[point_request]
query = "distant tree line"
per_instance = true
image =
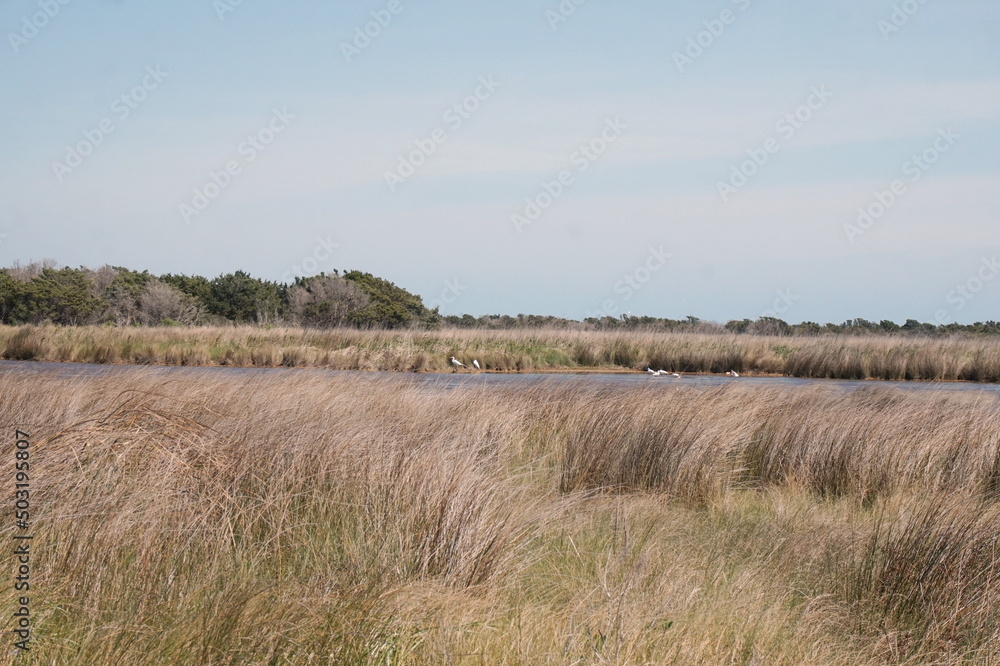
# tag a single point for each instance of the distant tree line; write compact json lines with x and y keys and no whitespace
{"x":761,"y":326}
{"x":42,"y":292}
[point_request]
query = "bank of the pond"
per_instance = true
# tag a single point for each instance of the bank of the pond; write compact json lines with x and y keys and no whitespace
{"x":902,"y":358}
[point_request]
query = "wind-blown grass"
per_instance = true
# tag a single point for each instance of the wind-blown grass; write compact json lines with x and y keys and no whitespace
{"x":363,"y":519}
{"x":842,"y":357}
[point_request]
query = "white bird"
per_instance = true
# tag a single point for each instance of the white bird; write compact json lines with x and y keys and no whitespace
{"x":675,"y":375}
{"x":475,"y":362}
{"x":455,"y":362}
{"x":655,"y":373}
{"x":732,"y":373}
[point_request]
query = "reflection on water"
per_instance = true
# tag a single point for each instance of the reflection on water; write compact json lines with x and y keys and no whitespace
{"x":479,"y":380}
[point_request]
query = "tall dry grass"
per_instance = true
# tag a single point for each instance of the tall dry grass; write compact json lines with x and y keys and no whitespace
{"x":894,"y":358}
{"x":212,"y":519}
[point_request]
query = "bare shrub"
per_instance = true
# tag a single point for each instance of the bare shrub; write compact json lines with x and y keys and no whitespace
{"x":325,"y":301}
{"x":161,"y":302}
{"x":100,"y":280}
{"x":28,"y":272}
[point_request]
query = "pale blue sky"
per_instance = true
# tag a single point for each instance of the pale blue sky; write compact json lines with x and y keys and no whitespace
{"x":346,"y":122}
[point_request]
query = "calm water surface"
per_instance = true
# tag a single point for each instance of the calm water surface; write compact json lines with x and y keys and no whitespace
{"x":480,"y":380}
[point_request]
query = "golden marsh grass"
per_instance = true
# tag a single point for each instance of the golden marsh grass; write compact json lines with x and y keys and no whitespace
{"x":209,"y":518}
{"x":525,"y":350}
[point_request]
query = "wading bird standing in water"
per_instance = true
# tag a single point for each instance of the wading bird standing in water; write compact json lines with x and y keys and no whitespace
{"x":458,"y":364}
{"x":732,"y":373}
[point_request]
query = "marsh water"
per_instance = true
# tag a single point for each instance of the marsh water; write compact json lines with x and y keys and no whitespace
{"x":481,"y":379}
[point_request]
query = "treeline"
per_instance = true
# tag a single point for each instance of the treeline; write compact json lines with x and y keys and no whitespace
{"x":41,"y":293}
{"x":761,"y":326}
